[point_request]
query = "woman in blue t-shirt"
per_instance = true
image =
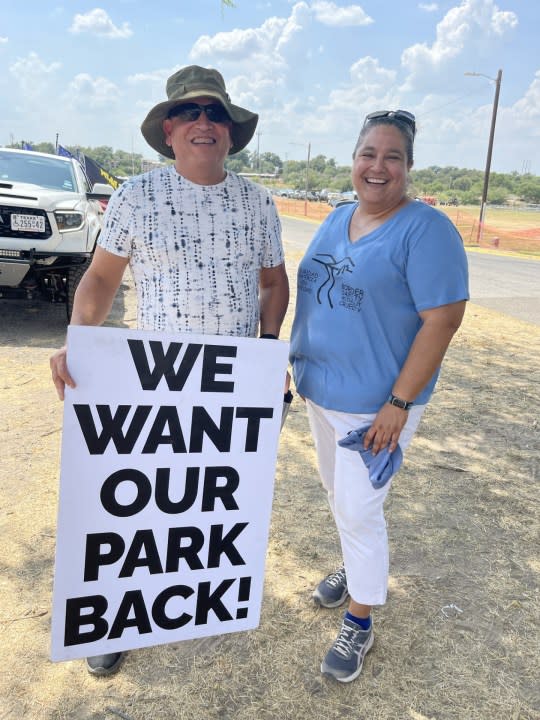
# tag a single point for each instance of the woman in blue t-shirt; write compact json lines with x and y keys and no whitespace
{"x":381,"y":291}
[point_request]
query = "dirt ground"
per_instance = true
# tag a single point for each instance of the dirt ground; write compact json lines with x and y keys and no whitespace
{"x":458,"y":638}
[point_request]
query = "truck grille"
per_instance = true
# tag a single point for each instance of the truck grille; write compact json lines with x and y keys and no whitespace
{"x":5,"y":223}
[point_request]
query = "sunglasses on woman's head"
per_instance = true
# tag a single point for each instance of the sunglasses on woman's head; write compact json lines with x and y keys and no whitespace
{"x":403,"y":115}
{"x":188,"y":112}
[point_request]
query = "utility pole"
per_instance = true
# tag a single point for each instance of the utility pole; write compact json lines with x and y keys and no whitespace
{"x":307,"y":178}
{"x":483,"y":202}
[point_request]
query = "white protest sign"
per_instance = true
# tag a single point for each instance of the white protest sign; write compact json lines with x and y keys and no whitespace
{"x":168,"y":457}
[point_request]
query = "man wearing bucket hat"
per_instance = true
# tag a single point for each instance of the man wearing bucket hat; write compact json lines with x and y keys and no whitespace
{"x":203,"y":244}
{"x":187,"y":85}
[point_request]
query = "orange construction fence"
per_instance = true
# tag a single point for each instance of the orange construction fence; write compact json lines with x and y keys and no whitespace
{"x":491,"y":237}
{"x":520,"y":240}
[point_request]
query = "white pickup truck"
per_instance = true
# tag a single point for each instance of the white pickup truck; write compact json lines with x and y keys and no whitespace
{"x":50,"y":219}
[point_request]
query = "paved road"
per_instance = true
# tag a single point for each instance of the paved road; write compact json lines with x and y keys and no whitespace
{"x":509,"y":285}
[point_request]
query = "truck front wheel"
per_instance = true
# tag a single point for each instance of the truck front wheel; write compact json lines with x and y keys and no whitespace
{"x":74,"y":276}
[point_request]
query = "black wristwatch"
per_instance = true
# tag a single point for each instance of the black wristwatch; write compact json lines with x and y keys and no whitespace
{"x":398,"y":402}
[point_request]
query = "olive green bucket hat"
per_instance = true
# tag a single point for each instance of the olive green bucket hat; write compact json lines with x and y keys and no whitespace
{"x":191,"y":82}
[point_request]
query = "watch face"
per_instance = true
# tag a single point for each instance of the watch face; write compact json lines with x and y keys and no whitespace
{"x":403,"y":404}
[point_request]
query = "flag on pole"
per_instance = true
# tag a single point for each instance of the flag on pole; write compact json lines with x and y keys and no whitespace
{"x":97,"y":174}
{"x":61,"y":150}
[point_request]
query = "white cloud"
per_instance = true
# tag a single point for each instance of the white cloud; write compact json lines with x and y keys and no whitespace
{"x":241,"y":44}
{"x":3,"y":40}
{"x":299,"y":18}
{"x":150,"y":89}
{"x":428,"y":7}
{"x":261,"y":58}
{"x":33,"y":65}
{"x":526,"y":111}
{"x":156,"y":76}
{"x":32,"y":75}
{"x":367,"y":74}
{"x":89,"y":93}
{"x":472,"y":26}
{"x":328,"y":13}
{"x":97,"y":22}
{"x":256,"y":91}
{"x":268,"y":41}
{"x":371,"y":87}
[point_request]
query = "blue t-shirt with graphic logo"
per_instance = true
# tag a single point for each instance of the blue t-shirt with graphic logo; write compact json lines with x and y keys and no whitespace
{"x":358,"y":302}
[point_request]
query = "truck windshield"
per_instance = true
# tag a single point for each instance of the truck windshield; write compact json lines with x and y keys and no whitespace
{"x":45,"y":172}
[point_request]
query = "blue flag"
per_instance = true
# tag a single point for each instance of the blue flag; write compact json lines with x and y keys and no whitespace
{"x":26,"y":146}
{"x":63,"y":151}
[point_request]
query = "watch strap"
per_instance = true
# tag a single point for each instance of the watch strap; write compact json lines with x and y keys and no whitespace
{"x":398,"y":402}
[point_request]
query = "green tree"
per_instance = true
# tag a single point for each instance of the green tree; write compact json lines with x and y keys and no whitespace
{"x":530,"y":189}
{"x":461,"y":183}
{"x":269,"y":162}
{"x":318,"y":163}
{"x":239,"y":162}
{"x":445,"y":183}
{"x":46,"y":147}
{"x":470,"y":198}
{"x":497,"y":196}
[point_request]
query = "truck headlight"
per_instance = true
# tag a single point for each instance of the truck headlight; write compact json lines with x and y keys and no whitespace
{"x":68,"y":220}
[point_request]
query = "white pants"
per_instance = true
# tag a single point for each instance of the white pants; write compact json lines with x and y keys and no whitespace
{"x":357,"y":507}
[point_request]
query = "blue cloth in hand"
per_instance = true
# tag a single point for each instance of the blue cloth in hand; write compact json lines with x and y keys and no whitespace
{"x":381,"y":466}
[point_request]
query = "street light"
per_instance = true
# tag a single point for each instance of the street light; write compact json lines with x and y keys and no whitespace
{"x":497,"y":82}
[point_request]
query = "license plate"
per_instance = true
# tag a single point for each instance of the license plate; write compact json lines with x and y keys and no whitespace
{"x":28,"y":223}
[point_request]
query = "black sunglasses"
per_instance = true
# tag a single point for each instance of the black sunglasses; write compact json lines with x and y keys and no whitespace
{"x":192,"y":111}
{"x":403,"y":115}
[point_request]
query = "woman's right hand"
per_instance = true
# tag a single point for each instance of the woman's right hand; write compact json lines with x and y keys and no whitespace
{"x":386,"y":429}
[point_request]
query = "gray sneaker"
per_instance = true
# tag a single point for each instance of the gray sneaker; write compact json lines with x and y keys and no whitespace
{"x":102,"y":665}
{"x":332,"y":591}
{"x":345,"y":658}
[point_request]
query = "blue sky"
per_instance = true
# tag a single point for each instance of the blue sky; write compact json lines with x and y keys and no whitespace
{"x":312,"y":69}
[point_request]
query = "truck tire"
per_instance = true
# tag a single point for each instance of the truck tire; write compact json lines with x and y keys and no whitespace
{"x":74,"y":276}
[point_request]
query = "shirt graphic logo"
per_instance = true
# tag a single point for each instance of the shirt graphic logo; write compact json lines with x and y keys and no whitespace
{"x":333,"y":268}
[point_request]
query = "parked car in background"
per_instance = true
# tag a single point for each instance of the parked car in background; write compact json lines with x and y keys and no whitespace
{"x":340,"y":198}
{"x":50,"y":219}
{"x":332,"y":198}
{"x":283,"y":192}
{"x":343,"y":202}
{"x":323,"y":194}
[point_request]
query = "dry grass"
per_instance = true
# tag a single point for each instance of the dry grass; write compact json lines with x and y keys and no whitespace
{"x":458,"y":637}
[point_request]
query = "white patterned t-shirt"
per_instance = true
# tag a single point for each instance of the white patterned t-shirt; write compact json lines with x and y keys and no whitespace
{"x":195,"y":251}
